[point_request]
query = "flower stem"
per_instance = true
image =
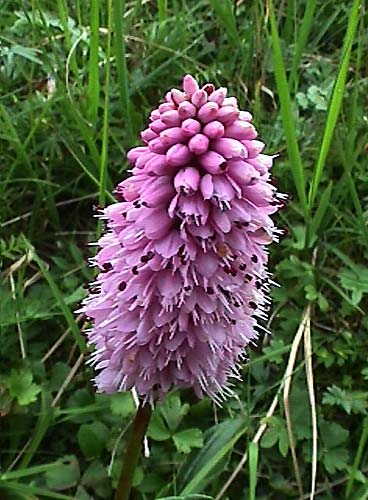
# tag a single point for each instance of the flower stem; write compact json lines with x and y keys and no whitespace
{"x":133,"y":452}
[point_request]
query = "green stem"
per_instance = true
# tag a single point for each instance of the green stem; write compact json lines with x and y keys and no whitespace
{"x":133,"y":452}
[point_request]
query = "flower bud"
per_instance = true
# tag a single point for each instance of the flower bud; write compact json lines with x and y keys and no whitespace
{"x":198,"y":144}
{"x":178,"y":155}
{"x":241,"y":130}
{"x":208,"y":112}
{"x":186,"y":110}
{"x":199,"y":98}
{"x":214,"y":130}
{"x":171,"y":118}
{"x":190,"y":85}
{"x":190,"y":127}
{"x":212,"y":162}
{"x":172,"y":136}
{"x":218,"y":96}
{"x":227,"y":114}
{"x":229,"y":148}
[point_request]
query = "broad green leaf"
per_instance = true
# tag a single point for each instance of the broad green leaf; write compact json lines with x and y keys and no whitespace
{"x":63,"y":477}
{"x":188,"y":439}
{"x":157,"y":429}
{"x":97,"y":479}
{"x":122,"y":404}
{"x":92,"y":439}
{"x":336,"y":459}
{"x":21,"y":386}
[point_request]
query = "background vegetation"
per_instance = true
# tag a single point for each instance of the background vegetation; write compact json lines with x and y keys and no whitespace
{"x":78,"y":79}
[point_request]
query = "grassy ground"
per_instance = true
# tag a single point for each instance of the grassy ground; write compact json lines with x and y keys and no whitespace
{"x":78,"y":80}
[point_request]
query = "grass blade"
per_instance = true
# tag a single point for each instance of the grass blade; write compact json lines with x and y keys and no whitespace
{"x":59,"y":298}
{"x":28,"y":490}
{"x":121,"y":66}
{"x":301,"y":42}
{"x":347,"y":165}
{"x":335,"y":102}
{"x":320,"y":213}
{"x":93,"y":90}
{"x":162,"y":10}
{"x":253,"y":465}
{"x":220,"y":440}
{"x":358,"y":458}
{"x":225,"y":14}
{"x":43,"y":423}
{"x":287,"y":113}
{"x":104,"y":148}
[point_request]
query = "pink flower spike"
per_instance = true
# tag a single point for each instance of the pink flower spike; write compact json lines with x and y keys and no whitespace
{"x":186,"y":181}
{"x":198,"y":144}
{"x":187,"y":110}
{"x":214,"y":130}
{"x":190,"y":85}
{"x":199,"y":98}
{"x":229,"y":148}
{"x":208,"y":112}
{"x":183,"y":277}
{"x":212,"y":162}
{"x":178,"y":155}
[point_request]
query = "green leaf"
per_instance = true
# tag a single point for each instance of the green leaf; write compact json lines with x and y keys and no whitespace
{"x":270,"y":437}
{"x":275,"y":351}
{"x":157,"y":429}
{"x":59,"y":372}
{"x":97,"y":479}
{"x":332,"y":434}
{"x":63,"y":477}
{"x":27,"y":52}
{"x":188,"y":439}
{"x":336,"y":459}
{"x":92,"y":439}
{"x":21,"y":386}
{"x":122,"y":404}
{"x":350,"y":401}
{"x":283,"y":442}
{"x":355,"y":280}
{"x":173,"y":411}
